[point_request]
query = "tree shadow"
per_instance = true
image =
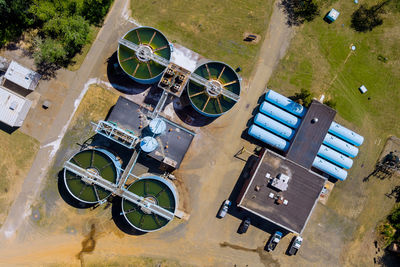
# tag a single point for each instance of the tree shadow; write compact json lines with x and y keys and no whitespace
{"x":296,"y":13}
{"x":48,"y":71}
{"x":388,"y":259}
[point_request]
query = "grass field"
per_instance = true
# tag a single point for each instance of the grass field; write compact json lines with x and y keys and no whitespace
{"x":320,"y":59}
{"x":17,"y":152}
{"x":213,"y":29}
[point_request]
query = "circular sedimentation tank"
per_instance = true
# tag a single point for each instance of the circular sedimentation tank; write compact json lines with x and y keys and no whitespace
{"x":137,"y":64}
{"x":98,"y":161}
{"x":155,"y":190}
{"x":208,"y":100}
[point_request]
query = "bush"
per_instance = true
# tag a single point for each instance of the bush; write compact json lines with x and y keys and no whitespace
{"x":49,"y":51}
{"x":330,"y":103}
{"x":304,"y":98}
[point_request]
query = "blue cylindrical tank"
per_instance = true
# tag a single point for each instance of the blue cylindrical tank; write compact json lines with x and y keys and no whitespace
{"x":285,"y":103}
{"x":280,"y":115}
{"x":346,"y":134}
{"x":329,"y":168}
{"x":274,"y":126}
{"x":335,"y":157}
{"x":340,"y":145}
{"x":269,"y":138}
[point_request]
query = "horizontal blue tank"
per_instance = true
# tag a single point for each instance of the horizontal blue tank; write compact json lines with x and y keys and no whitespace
{"x":274,"y":126}
{"x":340,"y":145}
{"x":329,"y":168}
{"x":268,"y":138}
{"x":285,"y":103}
{"x":346,"y":134}
{"x":280,"y":115}
{"x":335,"y":157}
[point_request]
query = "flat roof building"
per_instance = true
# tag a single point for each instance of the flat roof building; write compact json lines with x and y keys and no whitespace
{"x":13,"y":107}
{"x":21,"y":76}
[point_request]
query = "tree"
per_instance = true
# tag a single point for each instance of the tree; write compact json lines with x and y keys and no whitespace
{"x":95,"y":10}
{"x":49,"y":51}
{"x":303,"y":98}
{"x":366,"y":19}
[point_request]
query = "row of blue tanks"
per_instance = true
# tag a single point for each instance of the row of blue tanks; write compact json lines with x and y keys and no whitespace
{"x":276,"y":125}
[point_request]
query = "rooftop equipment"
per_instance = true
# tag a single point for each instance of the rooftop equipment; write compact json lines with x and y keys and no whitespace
{"x":144,"y":53}
{"x":148,"y":144}
{"x":274,"y":126}
{"x":268,"y":138}
{"x":280,"y":115}
{"x":214,"y":88}
{"x":335,"y":157}
{"x":340,"y":145}
{"x":285,"y":103}
{"x":280,"y":182}
{"x":346,"y":134}
{"x":329,"y":168}
{"x":157,"y":126}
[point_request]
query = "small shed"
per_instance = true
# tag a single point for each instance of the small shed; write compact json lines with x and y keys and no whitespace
{"x":21,"y":76}
{"x":363,"y":89}
{"x":332,"y":15}
{"x":13,"y":107}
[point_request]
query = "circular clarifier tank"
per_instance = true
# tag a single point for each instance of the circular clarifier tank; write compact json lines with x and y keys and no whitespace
{"x":97,"y":161}
{"x":208,"y":99}
{"x":138,"y":64}
{"x":154,"y":190}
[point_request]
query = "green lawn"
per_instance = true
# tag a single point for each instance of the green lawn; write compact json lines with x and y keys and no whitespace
{"x":320,"y":59}
{"x":214,"y":29}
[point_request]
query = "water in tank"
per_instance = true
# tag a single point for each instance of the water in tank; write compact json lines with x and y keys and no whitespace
{"x":285,"y":103}
{"x":329,"y":168}
{"x":268,"y":138}
{"x":280,"y":115}
{"x":148,"y":144}
{"x":346,"y":134}
{"x":340,"y":145}
{"x":157,"y":126}
{"x":274,"y":126}
{"x":335,"y":157}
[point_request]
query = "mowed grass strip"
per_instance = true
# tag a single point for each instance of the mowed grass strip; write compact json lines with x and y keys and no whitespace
{"x":214,"y":29}
{"x":17,"y":152}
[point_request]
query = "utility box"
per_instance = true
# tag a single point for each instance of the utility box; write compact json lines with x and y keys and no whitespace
{"x":332,"y":15}
{"x":363,"y":89}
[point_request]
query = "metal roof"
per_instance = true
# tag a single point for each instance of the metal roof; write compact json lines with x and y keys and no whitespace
{"x":22,"y":76}
{"x":13,"y":107}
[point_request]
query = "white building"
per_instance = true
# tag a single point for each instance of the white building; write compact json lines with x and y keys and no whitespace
{"x":13,"y":107}
{"x":22,"y":76}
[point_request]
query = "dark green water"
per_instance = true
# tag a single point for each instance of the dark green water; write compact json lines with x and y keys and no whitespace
{"x":91,"y":159}
{"x":142,"y":72}
{"x":149,"y":187}
{"x":201,"y":99}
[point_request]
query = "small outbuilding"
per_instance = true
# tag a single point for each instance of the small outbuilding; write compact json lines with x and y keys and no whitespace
{"x":21,"y":76}
{"x":332,"y":15}
{"x":363,"y":89}
{"x":13,"y":107}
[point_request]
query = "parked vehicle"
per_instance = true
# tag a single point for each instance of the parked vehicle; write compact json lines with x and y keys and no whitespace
{"x":244,"y":226}
{"x":224,"y":208}
{"x":274,"y":240}
{"x":295,"y":246}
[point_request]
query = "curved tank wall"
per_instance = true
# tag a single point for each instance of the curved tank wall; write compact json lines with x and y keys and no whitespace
{"x":346,"y":134}
{"x":157,"y":126}
{"x":280,"y":115}
{"x":148,"y":144}
{"x":329,"y":168}
{"x":340,"y":145}
{"x":99,"y":161}
{"x":220,"y":75}
{"x":156,"y":190}
{"x":268,"y":138}
{"x":285,"y":103}
{"x":335,"y":157}
{"x":274,"y":126}
{"x":142,"y":70}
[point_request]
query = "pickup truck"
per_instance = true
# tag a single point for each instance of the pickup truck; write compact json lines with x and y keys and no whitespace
{"x":274,"y":240}
{"x":296,"y":243}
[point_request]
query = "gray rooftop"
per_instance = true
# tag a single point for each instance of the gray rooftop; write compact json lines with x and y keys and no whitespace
{"x":129,"y":115}
{"x":302,"y":193}
{"x":13,"y":107}
{"x":309,"y":136}
{"x":22,"y":76}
